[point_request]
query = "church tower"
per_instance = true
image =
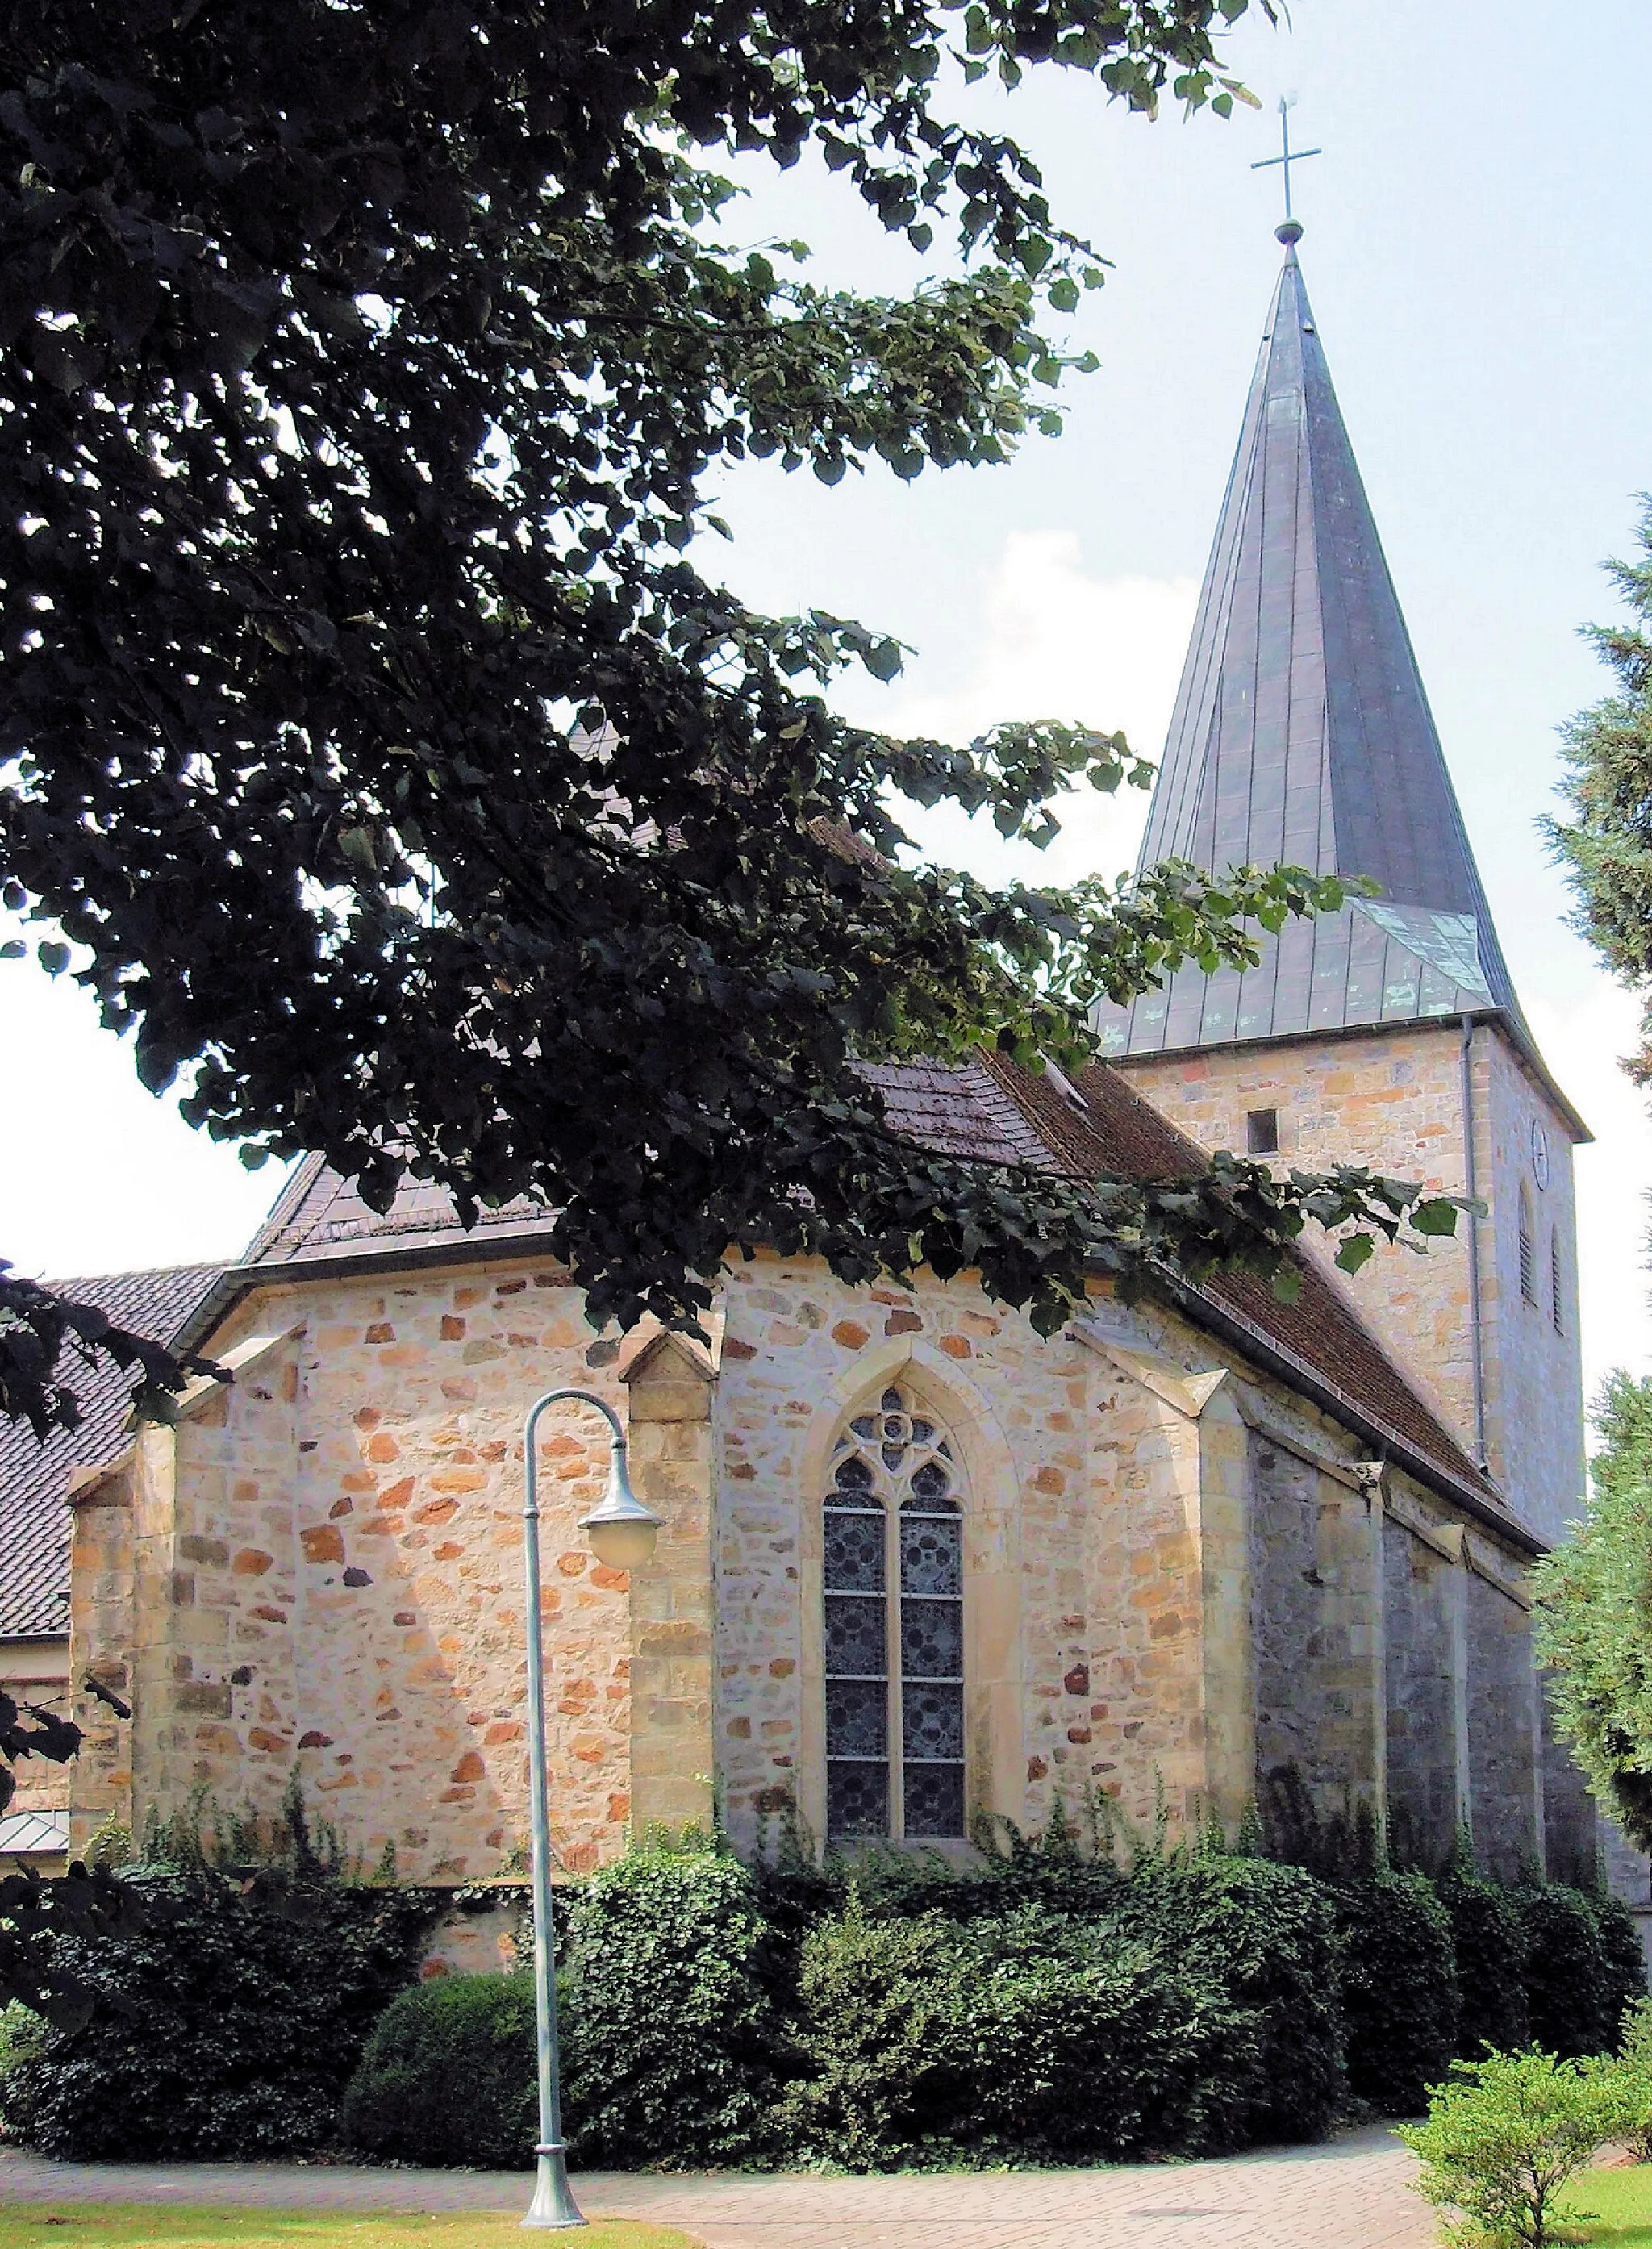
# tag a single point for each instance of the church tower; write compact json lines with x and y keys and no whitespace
{"x":1389,"y":1033}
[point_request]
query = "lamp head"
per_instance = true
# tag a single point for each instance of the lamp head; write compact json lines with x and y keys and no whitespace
{"x":621,"y":1530}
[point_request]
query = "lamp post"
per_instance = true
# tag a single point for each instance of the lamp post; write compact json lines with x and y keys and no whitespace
{"x":622,"y":1532}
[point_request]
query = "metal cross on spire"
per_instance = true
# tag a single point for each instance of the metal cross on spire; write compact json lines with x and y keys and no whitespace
{"x":1289,"y":156}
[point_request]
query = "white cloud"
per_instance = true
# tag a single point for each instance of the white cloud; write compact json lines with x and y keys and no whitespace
{"x":1055,"y":643}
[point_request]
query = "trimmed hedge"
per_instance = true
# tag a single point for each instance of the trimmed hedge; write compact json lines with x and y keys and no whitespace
{"x":448,"y":2075}
{"x":1034,"y":2036}
{"x":1625,"y":1958}
{"x":1400,"y":1998}
{"x":888,"y":2009}
{"x":1268,"y":1934}
{"x":672,"y":2037}
{"x":1572,"y":1985}
{"x":227,"y":2026}
{"x":1488,"y":1935}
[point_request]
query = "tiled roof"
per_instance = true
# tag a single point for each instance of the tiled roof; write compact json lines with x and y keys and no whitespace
{"x":318,"y":1214}
{"x":34,"y":1524}
{"x":988,"y":1111}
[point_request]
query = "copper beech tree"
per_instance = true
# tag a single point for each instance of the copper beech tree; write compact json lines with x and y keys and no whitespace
{"x":372,"y":746}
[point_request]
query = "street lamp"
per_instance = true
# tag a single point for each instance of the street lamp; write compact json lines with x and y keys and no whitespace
{"x":622,"y":1532}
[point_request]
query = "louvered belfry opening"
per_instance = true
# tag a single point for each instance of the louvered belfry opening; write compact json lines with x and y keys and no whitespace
{"x":894,"y":1628}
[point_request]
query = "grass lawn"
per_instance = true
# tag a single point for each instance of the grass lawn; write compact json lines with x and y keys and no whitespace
{"x":1621,"y":2205}
{"x":128,"y":2226}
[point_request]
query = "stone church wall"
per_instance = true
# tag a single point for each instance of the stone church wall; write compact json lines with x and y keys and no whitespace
{"x":1420,"y":1587}
{"x":1574,"y":1838}
{"x":1501,"y":1762}
{"x":1106,"y":1615}
{"x":1534,"y":1379}
{"x":1312,"y":1598}
{"x":1393,"y":1099}
{"x":322,"y":1569}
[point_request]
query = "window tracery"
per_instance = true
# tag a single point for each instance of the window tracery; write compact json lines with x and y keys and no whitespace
{"x":894,"y":1637}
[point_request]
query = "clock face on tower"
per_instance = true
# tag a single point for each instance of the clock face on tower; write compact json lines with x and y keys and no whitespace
{"x":1540,"y":1154}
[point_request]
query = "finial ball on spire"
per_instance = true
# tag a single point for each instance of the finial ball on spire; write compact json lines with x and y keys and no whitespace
{"x":1287,"y":231}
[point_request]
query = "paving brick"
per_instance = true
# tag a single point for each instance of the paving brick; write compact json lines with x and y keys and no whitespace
{"x":1352,"y":2193}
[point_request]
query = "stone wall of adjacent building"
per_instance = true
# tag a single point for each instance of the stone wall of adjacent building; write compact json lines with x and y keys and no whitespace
{"x":1420,"y":1649}
{"x":36,"y":1670}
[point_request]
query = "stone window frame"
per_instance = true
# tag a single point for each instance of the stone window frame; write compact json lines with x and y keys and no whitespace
{"x":893,"y":1597}
{"x":1557,"y":1286}
{"x":995,"y":1749}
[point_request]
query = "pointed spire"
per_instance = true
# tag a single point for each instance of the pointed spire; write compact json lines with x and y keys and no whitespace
{"x":1301,"y":733}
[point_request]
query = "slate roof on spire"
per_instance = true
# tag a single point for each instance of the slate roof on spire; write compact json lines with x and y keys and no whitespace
{"x":1301,"y":733}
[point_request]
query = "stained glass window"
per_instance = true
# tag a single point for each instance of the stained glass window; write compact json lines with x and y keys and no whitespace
{"x":894,"y":1597}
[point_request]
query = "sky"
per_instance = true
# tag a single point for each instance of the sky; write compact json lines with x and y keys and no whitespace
{"x":1473,"y":253}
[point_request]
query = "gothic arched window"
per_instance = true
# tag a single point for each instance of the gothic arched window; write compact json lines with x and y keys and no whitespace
{"x":894,"y":1587}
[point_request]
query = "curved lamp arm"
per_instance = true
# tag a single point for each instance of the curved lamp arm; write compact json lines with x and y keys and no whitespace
{"x":620,"y":1529}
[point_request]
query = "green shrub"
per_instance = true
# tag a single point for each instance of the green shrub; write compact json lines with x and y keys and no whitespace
{"x":1635,"y":2063}
{"x":1266,"y":1933}
{"x":448,"y":2075}
{"x":1625,"y":1956}
{"x":1034,"y":2035}
{"x":20,"y":2031}
{"x":1488,"y":1935}
{"x":1506,"y":2134}
{"x":1572,"y":1990}
{"x":1399,"y":1979}
{"x":226,"y":2026}
{"x":672,"y":2035}
{"x":890,"y":1882}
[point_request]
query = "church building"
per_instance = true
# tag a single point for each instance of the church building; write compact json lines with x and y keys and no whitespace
{"x":918,"y":1567}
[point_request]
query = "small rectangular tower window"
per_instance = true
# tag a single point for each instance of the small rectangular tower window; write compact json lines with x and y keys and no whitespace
{"x":1262,"y":1132}
{"x":1556,"y":1302}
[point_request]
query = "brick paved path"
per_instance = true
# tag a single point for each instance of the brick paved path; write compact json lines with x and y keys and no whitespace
{"x":1350,"y":2194}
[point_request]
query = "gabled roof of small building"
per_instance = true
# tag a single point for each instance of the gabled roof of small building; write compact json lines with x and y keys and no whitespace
{"x":34,"y":1525}
{"x":1302,"y":735}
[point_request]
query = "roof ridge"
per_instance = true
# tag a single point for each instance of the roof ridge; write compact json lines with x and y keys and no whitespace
{"x":62,"y":1282}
